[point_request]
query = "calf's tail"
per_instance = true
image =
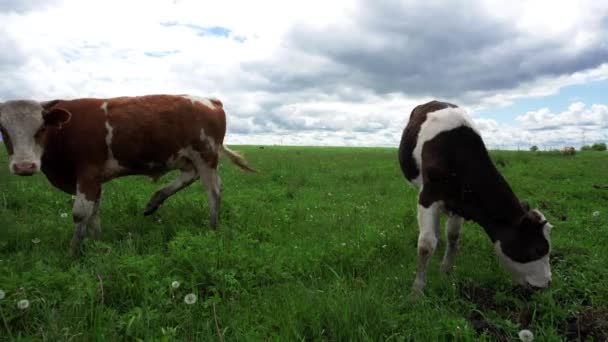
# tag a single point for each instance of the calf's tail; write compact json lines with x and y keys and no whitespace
{"x":236,"y":158}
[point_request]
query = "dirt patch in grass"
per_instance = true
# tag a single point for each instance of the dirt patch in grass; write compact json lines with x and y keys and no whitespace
{"x":481,"y":326}
{"x":482,"y":297}
{"x":484,"y":300}
{"x":586,"y":324}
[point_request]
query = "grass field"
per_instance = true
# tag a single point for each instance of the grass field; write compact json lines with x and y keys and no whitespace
{"x":319,"y":245}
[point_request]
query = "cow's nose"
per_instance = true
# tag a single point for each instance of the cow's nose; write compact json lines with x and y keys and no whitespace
{"x":24,"y":169}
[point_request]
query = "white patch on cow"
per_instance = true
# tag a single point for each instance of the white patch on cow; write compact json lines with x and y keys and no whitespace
{"x":204,"y":138}
{"x":437,"y":122}
{"x":83,"y":208}
{"x":111,"y":166}
{"x":21,"y":120}
{"x":205,"y":101}
{"x":104,"y":107}
{"x":536,"y":273}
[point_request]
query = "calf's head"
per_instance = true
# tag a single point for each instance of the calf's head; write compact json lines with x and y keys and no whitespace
{"x":24,"y":126}
{"x":524,"y":249}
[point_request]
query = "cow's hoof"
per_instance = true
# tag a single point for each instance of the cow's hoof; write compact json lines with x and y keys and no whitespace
{"x":150,"y":210}
{"x":446,"y":268}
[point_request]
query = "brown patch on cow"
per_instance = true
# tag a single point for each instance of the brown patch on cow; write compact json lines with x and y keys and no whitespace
{"x":586,"y":324}
{"x":154,"y":128}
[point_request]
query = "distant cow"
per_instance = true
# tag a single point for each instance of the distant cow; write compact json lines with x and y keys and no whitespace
{"x":568,"y":151}
{"x":443,"y":156}
{"x":80,"y":144}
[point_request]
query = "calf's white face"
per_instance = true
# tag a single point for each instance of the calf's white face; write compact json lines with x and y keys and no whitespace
{"x":529,"y":259}
{"x":23,"y":125}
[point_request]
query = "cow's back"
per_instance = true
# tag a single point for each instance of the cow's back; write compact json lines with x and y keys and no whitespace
{"x":409,"y":138}
{"x":150,"y":130}
{"x":131,"y":135}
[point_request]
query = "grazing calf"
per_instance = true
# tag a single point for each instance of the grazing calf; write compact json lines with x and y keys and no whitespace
{"x":443,"y":156}
{"x":81,"y":144}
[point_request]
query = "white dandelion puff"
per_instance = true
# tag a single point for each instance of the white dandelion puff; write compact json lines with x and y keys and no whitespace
{"x":526,"y":335}
{"x":63,"y":215}
{"x":190,"y":298}
{"x":23,"y":304}
{"x":35,"y":241}
{"x":175,"y":284}
{"x":596,"y":214}
{"x":2,"y":294}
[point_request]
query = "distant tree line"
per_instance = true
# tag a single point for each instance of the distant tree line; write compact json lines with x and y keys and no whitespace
{"x":594,"y":147}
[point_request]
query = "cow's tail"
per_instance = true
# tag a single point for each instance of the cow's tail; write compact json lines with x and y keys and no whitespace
{"x":236,"y":158}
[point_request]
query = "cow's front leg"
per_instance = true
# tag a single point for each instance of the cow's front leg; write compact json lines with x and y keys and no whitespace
{"x":428,"y":221}
{"x":88,"y":193}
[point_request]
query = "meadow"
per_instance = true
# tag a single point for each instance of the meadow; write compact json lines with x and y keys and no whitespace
{"x":319,"y":245}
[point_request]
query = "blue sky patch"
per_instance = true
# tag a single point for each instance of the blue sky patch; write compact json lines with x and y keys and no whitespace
{"x":589,"y":93}
{"x":214,"y":31}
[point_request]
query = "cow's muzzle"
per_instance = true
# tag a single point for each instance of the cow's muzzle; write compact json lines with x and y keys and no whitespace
{"x":24,"y":169}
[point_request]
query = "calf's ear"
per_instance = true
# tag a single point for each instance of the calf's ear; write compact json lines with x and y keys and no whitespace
{"x":525,"y":205}
{"x":56,"y":117}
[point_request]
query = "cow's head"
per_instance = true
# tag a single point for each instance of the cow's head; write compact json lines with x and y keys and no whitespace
{"x":524,"y":248}
{"x":24,"y":127}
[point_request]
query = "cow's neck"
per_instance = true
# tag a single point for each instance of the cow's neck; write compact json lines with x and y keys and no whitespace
{"x":498,"y":207}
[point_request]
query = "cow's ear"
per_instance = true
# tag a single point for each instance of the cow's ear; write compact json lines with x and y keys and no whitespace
{"x":56,"y":117}
{"x":48,"y":104}
{"x":525,"y":205}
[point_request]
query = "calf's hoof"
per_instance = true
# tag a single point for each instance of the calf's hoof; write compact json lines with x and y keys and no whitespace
{"x":150,"y":209}
{"x":446,"y":267}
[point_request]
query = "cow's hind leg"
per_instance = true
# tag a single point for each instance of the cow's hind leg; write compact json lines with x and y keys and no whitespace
{"x":428,"y":220}
{"x":87,"y":195}
{"x":95,"y":220}
{"x":186,"y":177}
{"x":453,"y":226}
{"x":212,"y":183}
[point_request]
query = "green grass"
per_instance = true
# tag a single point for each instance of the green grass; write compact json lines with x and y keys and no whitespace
{"x":319,"y":245}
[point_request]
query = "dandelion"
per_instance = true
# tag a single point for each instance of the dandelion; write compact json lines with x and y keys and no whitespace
{"x":23,"y":304}
{"x":190,"y":298}
{"x":2,"y":294}
{"x":526,"y":335}
{"x":63,"y":215}
{"x":35,"y":241}
{"x":596,"y":214}
{"x":175,"y":284}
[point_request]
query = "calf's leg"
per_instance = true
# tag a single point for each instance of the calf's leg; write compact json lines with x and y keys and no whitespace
{"x":186,"y":177}
{"x":453,"y":227}
{"x":212,"y":183}
{"x":88,"y":193}
{"x":95,"y":220}
{"x":428,"y":221}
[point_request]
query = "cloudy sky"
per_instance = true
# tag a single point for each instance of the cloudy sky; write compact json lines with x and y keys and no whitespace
{"x":326,"y":72}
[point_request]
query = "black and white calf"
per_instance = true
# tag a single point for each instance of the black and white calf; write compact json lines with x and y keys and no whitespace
{"x":443,"y":156}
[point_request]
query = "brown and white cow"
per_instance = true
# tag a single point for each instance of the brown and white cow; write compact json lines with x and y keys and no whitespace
{"x":81,"y":144}
{"x":443,"y":155}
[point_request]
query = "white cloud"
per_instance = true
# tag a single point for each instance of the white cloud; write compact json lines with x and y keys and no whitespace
{"x":309,"y":72}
